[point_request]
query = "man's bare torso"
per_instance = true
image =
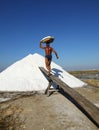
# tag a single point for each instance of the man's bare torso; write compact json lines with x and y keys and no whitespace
{"x":48,"y":50}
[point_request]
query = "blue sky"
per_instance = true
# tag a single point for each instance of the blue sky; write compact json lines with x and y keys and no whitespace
{"x":73,"y":23}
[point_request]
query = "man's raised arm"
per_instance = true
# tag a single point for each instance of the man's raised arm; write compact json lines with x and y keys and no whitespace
{"x":41,"y":46}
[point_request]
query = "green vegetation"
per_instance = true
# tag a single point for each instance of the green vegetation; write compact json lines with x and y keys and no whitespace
{"x":84,"y":72}
{"x":92,"y":82}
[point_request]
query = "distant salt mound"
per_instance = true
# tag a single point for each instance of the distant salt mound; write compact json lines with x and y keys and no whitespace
{"x":25,"y":75}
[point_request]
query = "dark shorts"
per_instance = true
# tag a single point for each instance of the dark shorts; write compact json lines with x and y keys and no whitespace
{"x":49,"y":57}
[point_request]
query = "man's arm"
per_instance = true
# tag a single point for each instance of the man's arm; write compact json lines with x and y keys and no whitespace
{"x":41,"y":46}
{"x":55,"y":53}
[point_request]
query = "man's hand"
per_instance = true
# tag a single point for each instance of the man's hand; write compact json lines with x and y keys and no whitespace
{"x":57,"y":57}
{"x":41,"y":45}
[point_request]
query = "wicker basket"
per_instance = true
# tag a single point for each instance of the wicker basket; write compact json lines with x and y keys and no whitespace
{"x":47,"y":39}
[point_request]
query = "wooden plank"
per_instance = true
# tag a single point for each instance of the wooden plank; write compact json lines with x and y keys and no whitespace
{"x":89,"y":109}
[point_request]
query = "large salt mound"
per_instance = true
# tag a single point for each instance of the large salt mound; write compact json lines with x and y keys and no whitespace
{"x":24,"y":75}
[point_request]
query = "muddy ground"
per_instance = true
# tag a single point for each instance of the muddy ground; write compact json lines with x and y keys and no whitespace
{"x":55,"y":112}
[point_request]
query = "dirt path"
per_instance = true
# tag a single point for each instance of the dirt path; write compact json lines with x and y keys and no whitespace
{"x":51,"y":113}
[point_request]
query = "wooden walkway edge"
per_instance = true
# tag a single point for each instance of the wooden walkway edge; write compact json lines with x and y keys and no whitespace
{"x":89,"y":109}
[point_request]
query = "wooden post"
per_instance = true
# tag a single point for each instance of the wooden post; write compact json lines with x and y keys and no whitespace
{"x":49,"y":85}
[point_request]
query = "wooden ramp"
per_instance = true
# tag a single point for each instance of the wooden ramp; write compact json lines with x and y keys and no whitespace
{"x":89,"y":109}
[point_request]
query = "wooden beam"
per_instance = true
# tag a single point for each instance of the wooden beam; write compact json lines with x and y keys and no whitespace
{"x":89,"y":109}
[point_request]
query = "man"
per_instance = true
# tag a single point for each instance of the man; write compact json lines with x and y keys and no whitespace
{"x":48,"y":55}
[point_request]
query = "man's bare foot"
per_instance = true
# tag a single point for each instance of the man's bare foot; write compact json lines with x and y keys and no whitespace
{"x":49,"y":74}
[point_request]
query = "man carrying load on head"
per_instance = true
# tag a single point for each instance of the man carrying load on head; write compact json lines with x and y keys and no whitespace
{"x":48,"y":54}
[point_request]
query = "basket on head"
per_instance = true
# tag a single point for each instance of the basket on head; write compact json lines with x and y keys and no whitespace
{"x":47,"y":39}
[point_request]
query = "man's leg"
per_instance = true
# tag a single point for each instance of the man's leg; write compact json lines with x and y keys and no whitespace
{"x":48,"y":62}
{"x":49,"y":66}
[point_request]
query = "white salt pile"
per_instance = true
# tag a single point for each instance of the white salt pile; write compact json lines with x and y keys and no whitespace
{"x":24,"y":75}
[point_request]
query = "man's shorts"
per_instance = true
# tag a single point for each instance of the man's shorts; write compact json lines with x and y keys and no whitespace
{"x":49,"y":57}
